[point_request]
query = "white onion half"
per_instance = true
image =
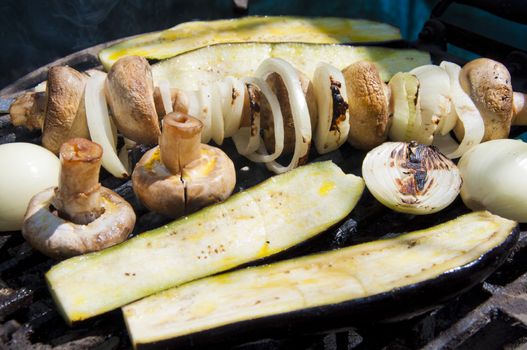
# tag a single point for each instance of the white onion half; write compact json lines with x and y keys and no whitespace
{"x":494,"y":178}
{"x":434,"y":93}
{"x":330,"y":134}
{"x":467,"y":114}
{"x":99,"y":125}
{"x":411,"y":178}
{"x":299,"y":110}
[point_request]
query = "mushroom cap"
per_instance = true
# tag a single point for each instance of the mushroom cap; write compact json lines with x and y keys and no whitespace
{"x":157,"y":188}
{"x":368,"y":105}
{"x":129,"y":89}
{"x":59,"y":238}
{"x":279,"y":89}
{"x":65,"y":115}
{"x":209,"y":179}
{"x":489,"y":85}
{"x":204,"y":181}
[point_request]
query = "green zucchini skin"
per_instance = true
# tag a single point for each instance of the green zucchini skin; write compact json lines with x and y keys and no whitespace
{"x":403,"y":302}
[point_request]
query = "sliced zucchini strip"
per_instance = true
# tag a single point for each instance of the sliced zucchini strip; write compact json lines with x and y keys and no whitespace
{"x":207,"y":65}
{"x":193,"y":35}
{"x":268,"y":218}
{"x":336,"y":281}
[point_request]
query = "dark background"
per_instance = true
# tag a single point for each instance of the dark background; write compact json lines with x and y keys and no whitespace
{"x":36,"y":32}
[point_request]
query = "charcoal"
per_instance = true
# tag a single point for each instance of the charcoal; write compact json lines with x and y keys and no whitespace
{"x":12,"y":300}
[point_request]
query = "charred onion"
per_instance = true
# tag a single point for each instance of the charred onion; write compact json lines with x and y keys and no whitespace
{"x":411,"y":178}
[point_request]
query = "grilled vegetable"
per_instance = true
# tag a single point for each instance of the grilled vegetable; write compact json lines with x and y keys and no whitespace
{"x":26,"y":170}
{"x":65,"y":116}
{"x":494,"y":174}
{"x":193,"y":35}
{"x":201,"y":67}
{"x":368,"y":105}
{"x":130,"y":93}
{"x":375,"y":280}
{"x":410,"y":177}
{"x":261,"y":221}
{"x":80,"y":215}
{"x":182,"y":175}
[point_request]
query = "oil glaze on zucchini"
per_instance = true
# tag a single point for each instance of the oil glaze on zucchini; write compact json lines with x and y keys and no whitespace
{"x":375,"y":280}
{"x":193,"y":35}
{"x":202,"y":67}
{"x":266,"y":219}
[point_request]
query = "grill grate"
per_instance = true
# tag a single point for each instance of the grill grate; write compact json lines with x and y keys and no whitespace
{"x":492,"y":313}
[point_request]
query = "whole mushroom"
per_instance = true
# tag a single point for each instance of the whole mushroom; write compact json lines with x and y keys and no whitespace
{"x":130,"y":93}
{"x":182,"y":175}
{"x":65,"y":116}
{"x":78,"y":216}
{"x":368,"y":100}
{"x":488,"y":83}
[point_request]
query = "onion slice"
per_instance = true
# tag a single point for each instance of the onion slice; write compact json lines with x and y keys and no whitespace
{"x":410,"y":177}
{"x":333,"y":113}
{"x":218,"y":131}
{"x":204,"y":113}
{"x":278,"y":121}
{"x":299,"y":110}
{"x":467,"y":114}
{"x":406,"y":123}
{"x":166,"y":98}
{"x":434,"y":93}
{"x":233,"y":105}
{"x":247,"y":138}
{"x":100,"y":127}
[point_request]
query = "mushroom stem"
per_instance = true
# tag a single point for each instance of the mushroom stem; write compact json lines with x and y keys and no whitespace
{"x":78,"y":196}
{"x":180,"y":141}
{"x":519,"y":108}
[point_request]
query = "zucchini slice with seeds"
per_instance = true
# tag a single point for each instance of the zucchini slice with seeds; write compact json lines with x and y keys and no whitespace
{"x":333,"y":289}
{"x":277,"y":214}
{"x":204,"y":66}
{"x":193,"y":35}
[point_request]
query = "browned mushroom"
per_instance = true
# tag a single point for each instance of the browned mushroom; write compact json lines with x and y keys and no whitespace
{"x":79,"y":216}
{"x":489,"y":85}
{"x":65,"y":116}
{"x":28,"y":110}
{"x":368,"y":100}
{"x":130,"y":93}
{"x":181,"y":175}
